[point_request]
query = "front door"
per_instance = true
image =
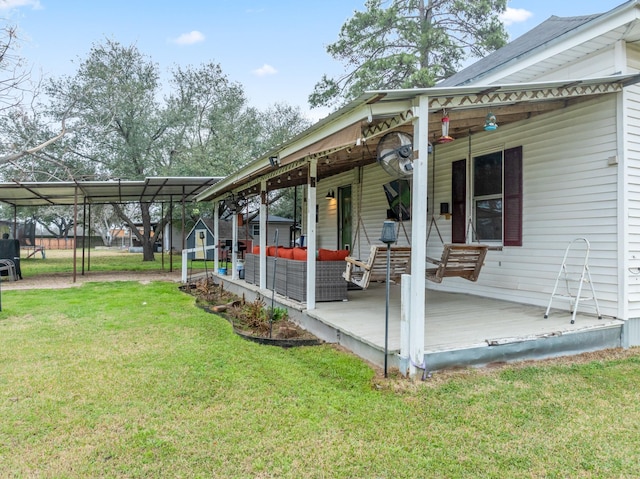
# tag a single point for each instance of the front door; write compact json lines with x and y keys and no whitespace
{"x":344,"y":217}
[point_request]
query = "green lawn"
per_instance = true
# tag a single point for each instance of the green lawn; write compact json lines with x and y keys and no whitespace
{"x":61,"y":261}
{"x":132,"y":380}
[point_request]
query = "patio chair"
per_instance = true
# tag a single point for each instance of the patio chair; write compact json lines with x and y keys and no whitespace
{"x":458,"y":260}
{"x":8,"y":268}
{"x":361,"y":273}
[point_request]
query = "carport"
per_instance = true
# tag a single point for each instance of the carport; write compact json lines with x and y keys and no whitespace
{"x":78,"y":193}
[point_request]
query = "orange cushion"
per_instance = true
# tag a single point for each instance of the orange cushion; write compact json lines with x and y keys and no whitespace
{"x":271,"y":250}
{"x":300,"y":254}
{"x":332,"y":255}
{"x":286,"y":253}
{"x":256,"y":250}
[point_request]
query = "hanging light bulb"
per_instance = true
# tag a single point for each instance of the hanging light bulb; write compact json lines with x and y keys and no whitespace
{"x":445,"y":138}
{"x":490,"y":122}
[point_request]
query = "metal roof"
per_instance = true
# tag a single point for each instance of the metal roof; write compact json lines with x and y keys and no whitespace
{"x":155,"y":189}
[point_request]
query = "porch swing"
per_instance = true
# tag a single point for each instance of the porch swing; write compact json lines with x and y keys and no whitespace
{"x":362,"y":273}
{"x":460,"y":260}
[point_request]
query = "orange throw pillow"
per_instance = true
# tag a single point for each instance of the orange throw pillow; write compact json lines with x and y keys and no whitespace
{"x":300,"y":254}
{"x":286,"y":253}
{"x":332,"y":255}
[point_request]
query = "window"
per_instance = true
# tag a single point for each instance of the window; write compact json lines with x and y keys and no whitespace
{"x":344,"y":217}
{"x":496,"y":200}
{"x":487,"y":196}
{"x":255,"y":229}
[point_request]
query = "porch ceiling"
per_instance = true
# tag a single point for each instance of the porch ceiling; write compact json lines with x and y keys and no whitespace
{"x":375,"y":113}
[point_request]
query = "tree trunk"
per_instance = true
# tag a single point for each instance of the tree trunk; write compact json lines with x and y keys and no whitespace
{"x":147,"y":240}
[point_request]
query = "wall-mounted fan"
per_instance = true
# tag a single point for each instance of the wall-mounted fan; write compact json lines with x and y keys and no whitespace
{"x":395,"y":154}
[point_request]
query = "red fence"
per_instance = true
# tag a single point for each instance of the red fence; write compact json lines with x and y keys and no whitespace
{"x":53,"y":243}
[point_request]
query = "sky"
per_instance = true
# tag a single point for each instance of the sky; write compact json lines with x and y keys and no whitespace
{"x":275,"y":48}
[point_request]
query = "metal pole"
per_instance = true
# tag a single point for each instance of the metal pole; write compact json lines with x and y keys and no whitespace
{"x":273,"y":292}
{"x":89,"y":248}
{"x":84,"y":230}
{"x":170,"y":234}
{"x":386,"y":311}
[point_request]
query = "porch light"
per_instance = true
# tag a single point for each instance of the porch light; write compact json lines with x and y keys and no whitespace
{"x":388,"y":236}
{"x":274,"y":161}
{"x":490,"y":122}
{"x":330,"y":195}
{"x":445,"y":138}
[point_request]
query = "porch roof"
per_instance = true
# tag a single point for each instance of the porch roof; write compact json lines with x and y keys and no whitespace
{"x":348,"y":137}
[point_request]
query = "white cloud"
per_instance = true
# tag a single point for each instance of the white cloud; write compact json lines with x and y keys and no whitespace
{"x":189,"y":38}
{"x":264,"y":70}
{"x":11,"y":4}
{"x":515,"y":15}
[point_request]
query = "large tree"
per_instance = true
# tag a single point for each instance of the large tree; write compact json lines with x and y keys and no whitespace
{"x":122,"y":124}
{"x":409,"y":44}
{"x":217,"y":131}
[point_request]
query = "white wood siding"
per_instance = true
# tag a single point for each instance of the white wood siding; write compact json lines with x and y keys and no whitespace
{"x":570,"y":190}
{"x":632,"y":182}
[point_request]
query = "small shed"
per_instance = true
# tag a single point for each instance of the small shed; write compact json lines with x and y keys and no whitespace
{"x":283,"y":225}
{"x":200,"y":237}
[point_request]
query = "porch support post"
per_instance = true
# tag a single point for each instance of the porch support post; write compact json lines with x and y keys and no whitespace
{"x":405,"y":315}
{"x":263,"y":234}
{"x":419,"y":235}
{"x":216,"y":235}
{"x":234,"y":246}
{"x":311,"y":233}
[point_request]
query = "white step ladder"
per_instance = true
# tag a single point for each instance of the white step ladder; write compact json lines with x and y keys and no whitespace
{"x":574,"y":272}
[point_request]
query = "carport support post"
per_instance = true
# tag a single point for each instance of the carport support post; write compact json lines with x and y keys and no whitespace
{"x":419,"y":235}
{"x":263,"y":234}
{"x":234,"y":246}
{"x":216,"y":236}
{"x":75,"y":233}
{"x":311,"y":233}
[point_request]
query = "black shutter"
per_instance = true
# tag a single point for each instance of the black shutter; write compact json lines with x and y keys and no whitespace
{"x":458,"y":201}
{"x":513,"y":196}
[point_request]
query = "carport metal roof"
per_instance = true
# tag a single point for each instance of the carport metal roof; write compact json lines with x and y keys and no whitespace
{"x":155,"y":189}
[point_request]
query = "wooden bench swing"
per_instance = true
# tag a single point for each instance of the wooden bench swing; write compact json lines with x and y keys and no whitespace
{"x":361,"y":273}
{"x":459,"y":260}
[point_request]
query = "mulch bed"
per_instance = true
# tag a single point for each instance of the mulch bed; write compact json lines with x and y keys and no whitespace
{"x":250,"y":320}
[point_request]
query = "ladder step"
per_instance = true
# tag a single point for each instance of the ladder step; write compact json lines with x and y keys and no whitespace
{"x":573,"y":279}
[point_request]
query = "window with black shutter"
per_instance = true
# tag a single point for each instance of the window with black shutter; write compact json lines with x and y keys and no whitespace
{"x":496,"y":198}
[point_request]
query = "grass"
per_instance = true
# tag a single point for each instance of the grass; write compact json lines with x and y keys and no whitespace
{"x":126,"y":379}
{"x":61,"y":261}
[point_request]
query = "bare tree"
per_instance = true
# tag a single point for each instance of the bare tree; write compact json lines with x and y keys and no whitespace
{"x":16,"y":87}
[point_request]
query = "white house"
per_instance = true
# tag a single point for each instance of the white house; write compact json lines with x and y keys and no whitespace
{"x":563,"y":163}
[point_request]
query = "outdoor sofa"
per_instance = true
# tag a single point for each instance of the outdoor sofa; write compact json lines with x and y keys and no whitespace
{"x":291,"y":272}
